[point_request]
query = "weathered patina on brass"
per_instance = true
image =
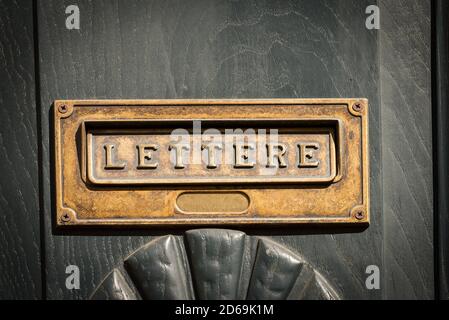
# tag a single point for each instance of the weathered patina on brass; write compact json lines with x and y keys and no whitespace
{"x":145,"y":152}
{"x":209,"y":162}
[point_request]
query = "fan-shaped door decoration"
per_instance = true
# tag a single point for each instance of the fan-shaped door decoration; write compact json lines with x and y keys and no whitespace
{"x":214,"y":264}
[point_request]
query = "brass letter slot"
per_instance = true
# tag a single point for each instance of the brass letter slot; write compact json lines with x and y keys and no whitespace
{"x":211,"y":162}
{"x":234,"y":151}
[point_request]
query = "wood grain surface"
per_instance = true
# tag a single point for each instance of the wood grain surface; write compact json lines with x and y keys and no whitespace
{"x":210,"y":49}
{"x":405,"y":74}
{"x":258,"y":49}
{"x":20,"y":269}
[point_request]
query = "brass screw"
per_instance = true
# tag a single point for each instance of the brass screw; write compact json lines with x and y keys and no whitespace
{"x":63,"y":108}
{"x":359,"y":215}
{"x":357,"y":107}
{"x":65,"y":217}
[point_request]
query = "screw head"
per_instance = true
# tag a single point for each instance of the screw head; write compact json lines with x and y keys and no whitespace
{"x":63,"y":108}
{"x":65,"y":217}
{"x":357,"y":107}
{"x":359,"y":215}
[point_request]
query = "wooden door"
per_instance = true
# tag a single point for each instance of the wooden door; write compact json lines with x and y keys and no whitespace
{"x":202,"y":49}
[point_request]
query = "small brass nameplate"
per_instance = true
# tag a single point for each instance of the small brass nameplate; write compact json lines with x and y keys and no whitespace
{"x":211,"y":162}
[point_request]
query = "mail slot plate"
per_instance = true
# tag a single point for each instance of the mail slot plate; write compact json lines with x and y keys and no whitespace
{"x":211,"y":162}
{"x":165,"y":135}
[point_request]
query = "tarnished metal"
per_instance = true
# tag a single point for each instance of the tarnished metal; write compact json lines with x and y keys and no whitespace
{"x":204,"y":162}
{"x":145,"y":152}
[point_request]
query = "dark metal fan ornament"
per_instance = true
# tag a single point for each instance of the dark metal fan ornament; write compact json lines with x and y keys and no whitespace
{"x":214,"y":264}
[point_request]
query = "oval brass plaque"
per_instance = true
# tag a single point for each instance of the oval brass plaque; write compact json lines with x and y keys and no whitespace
{"x":158,"y":162}
{"x":212,"y":202}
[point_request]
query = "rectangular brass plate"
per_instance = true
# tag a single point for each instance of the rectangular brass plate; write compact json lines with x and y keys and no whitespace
{"x":209,"y":162}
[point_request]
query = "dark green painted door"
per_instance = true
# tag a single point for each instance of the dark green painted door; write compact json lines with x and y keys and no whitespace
{"x":138,"y":49}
